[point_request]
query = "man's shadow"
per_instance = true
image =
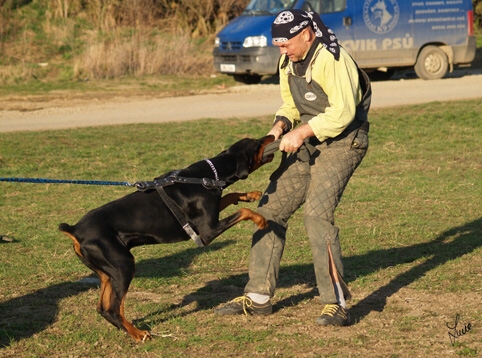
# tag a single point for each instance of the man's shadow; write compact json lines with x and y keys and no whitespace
{"x":451,"y":244}
{"x":22,"y":317}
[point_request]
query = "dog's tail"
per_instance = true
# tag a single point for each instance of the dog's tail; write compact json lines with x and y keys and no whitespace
{"x":66,"y":228}
{"x":69,"y":231}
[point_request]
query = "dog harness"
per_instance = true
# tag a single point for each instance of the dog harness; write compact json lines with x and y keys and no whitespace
{"x":172,"y":178}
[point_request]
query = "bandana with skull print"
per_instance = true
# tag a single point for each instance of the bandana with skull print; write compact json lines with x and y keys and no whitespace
{"x":289,"y":23}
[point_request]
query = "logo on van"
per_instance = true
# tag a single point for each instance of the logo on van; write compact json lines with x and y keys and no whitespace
{"x":381,"y":16}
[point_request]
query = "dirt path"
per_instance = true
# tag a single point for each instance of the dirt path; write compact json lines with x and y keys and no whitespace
{"x":240,"y":101}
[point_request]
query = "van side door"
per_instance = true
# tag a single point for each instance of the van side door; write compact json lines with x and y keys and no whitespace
{"x":384,"y":33}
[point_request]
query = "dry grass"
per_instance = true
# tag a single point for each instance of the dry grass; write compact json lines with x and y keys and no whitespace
{"x":141,"y":54}
{"x":71,"y":39}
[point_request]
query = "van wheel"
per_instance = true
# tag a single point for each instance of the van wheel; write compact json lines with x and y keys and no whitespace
{"x":248,"y":79}
{"x":432,"y":63}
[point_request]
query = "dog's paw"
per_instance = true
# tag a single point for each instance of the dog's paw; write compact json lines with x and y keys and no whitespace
{"x":140,"y":336}
{"x":257,"y":219}
{"x":146,"y":337}
{"x":253,"y":196}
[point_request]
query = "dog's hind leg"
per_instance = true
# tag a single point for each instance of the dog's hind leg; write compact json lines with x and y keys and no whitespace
{"x":111,"y":305}
{"x":104,"y":254}
{"x":115,"y":265}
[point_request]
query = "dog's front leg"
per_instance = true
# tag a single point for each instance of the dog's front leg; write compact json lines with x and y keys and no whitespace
{"x":234,"y":198}
{"x":240,"y":215}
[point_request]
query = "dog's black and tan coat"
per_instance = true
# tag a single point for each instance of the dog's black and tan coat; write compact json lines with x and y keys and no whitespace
{"x":104,"y":236}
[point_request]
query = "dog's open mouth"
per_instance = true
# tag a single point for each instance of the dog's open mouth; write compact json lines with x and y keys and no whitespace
{"x":265,"y":153}
{"x":269,"y":150}
{"x":267,"y":158}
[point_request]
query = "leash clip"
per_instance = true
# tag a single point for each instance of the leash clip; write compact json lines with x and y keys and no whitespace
{"x":143,"y":185}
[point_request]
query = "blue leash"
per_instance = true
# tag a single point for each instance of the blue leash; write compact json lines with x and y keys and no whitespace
{"x":62,"y":181}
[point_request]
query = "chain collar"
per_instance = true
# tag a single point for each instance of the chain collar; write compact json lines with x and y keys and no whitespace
{"x":213,"y":168}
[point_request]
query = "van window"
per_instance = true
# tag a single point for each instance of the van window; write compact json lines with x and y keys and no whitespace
{"x":324,"y":6}
{"x":260,"y":7}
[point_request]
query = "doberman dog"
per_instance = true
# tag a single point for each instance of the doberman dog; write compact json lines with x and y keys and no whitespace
{"x":104,"y":236}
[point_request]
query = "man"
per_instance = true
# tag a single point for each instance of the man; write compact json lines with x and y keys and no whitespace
{"x":323,"y":123}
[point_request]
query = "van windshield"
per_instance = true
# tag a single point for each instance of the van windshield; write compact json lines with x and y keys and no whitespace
{"x":268,"y":7}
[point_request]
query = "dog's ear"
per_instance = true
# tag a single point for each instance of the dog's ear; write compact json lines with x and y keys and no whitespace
{"x":242,"y":169}
{"x":254,"y":149}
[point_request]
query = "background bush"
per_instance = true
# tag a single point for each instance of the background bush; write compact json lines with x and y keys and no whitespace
{"x":79,"y":39}
{"x":109,"y":38}
{"x":477,"y":13}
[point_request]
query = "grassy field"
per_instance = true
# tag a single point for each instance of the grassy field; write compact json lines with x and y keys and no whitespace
{"x":411,"y":231}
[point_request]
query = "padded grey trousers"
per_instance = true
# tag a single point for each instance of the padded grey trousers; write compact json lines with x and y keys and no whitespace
{"x":318,"y":184}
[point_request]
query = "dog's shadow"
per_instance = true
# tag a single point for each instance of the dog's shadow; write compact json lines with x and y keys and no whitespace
{"x":451,"y":244}
{"x":174,"y":265}
{"x":24,"y":316}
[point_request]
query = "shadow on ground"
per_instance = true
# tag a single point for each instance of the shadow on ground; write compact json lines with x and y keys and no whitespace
{"x":24,"y":316}
{"x":450,"y":245}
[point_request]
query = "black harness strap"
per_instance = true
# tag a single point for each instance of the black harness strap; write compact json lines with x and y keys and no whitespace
{"x":160,"y":183}
{"x":179,"y":215}
{"x":173,"y":178}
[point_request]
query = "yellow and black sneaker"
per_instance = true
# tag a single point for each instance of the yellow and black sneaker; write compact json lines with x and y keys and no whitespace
{"x":245,"y":305}
{"x":333,"y":315}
